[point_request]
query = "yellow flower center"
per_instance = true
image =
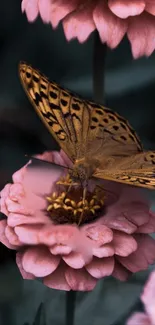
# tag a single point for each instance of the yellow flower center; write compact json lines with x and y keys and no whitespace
{"x":69,"y":207}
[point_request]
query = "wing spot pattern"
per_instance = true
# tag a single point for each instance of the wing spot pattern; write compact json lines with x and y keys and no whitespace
{"x":53,"y":95}
{"x":76,"y":107}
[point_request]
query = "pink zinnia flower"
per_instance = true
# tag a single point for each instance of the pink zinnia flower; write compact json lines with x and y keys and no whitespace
{"x":112,"y":18}
{"x":112,"y":240}
{"x":148,"y":299}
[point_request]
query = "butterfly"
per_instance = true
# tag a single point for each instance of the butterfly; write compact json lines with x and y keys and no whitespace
{"x":99,"y":142}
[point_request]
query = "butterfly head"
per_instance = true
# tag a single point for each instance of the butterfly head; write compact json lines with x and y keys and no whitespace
{"x":82,"y":171}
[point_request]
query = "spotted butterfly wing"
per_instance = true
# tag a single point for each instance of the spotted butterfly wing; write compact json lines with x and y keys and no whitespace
{"x":137,"y":170}
{"x":84,"y":129}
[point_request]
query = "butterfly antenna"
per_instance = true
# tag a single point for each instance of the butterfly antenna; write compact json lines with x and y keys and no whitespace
{"x":47,"y":162}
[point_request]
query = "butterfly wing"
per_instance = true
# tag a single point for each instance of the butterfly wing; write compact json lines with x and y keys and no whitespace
{"x":63,"y":114}
{"x":110,"y":134}
{"x":81,"y":128}
{"x":137,"y":170}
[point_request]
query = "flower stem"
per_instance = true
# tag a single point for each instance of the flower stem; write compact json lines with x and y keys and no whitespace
{"x":99,"y":56}
{"x":70,"y":307}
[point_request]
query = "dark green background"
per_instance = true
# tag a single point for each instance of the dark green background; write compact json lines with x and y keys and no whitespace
{"x":129,"y":89}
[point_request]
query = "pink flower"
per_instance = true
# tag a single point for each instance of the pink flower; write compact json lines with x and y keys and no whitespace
{"x":112,"y":18}
{"x":148,"y":299}
{"x":112,"y":240}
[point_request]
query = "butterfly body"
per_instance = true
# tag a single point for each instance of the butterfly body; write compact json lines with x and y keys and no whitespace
{"x":83,"y":170}
{"x":99,"y":142}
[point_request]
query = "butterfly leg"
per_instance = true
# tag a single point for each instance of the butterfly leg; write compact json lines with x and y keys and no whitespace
{"x":84,"y":202}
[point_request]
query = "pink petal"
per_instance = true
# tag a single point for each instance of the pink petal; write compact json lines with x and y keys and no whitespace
{"x":28,"y":235}
{"x":149,"y":227}
{"x":57,"y":280}
{"x":146,"y":244}
{"x":40,"y":180}
{"x":136,"y":212}
{"x":24,"y":274}
{"x":76,"y":260}
{"x":16,"y":192}
{"x":60,"y":9}
{"x":100,"y":268}
{"x":18,"y":176}
{"x":150,"y":7}
{"x":67,"y":161}
{"x":16,"y":219}
{"x":148,"y":297}
{"x":39,"y":261}
{"x":60,"y":234}
{"x":4,"y":194}
{"x":118,"y":222}
{"x":79,"y":24}
{"x":60,"y":250}
{"x":124,"y":9}
{"x":103,"y":251}
{"x":120,"y":272}
{"x":99,"y":233}
{"x":142,"y":257}
{"x":141,"y":33}
{"x":80,"y":280}
{"x":15,"y":207}
{"x":3,"y":238}
{"x":139,"y":319}
{"x":124,"y":244}
{"x":67,"y":235}
{"x":12,"y":237}
{"x":44,"y":10}
{"x":58,"y":157}
{"x":31,"y":9}
{"x":111,"y":28}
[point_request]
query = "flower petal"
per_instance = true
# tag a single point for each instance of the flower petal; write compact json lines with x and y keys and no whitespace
{"x":12,"y":237}
{"x":149,"y":227}
{"x":136,"y":212}
{"x":16,"y":219}
{"x":39,"y":261}
{"x":28,"y":235}
{"x":100,"y":267}
{"x":142,"y":257}
{"x":44,"y":10}
{"x":124,"y":244}
{"x":56,"y":280}
{"x":80,"y":280}
{"x":76,"y":260}
{"x":139,"y":319}
{"x":60,"y":9}
{"x":4,"y":194}
{"x":16,"y":192}
{"x":120,"y":272}
{"x":118,"y":222}
{"x":99,"y":233}
{"x":3,"y":239}
{"x":111,"y":28}
{"x":31,"y":9}
{"x":79,"y":24}
{"x":15,"y":207}
{"x":66,"y":160}
{"x":141,"y":33}
{"x":41,"y":180}
{"x":124,"y":9}
{"x":150,"y":7}
{"x":24,"y":274}
{"x":60,"y":250}
{"x":67,"y":235}
{"x":148,"y":297}
{"x":103,"y":251}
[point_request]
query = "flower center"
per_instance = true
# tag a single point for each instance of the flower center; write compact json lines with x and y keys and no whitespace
{"x":69,"y":207}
